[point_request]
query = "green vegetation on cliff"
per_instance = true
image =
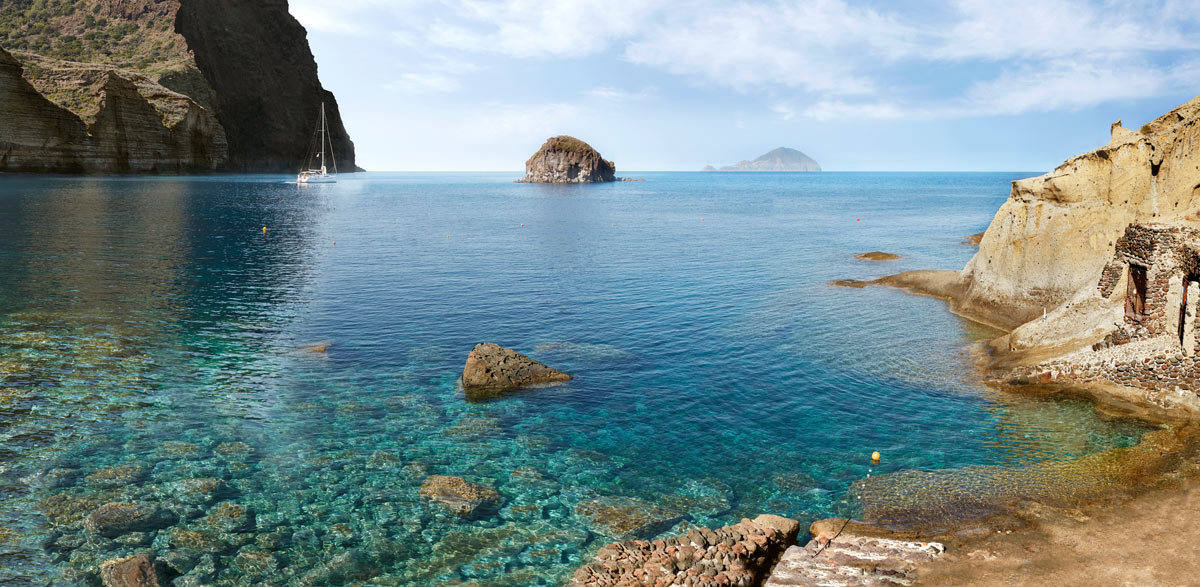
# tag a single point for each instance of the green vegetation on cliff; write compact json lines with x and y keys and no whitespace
{"x":128,"y":35}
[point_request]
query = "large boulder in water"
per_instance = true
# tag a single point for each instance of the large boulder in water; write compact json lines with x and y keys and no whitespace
{"x":492,"y":368}
{"x":565,"y":159}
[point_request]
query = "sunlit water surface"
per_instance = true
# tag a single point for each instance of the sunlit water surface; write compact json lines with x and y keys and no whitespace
{"x":153,"y":324}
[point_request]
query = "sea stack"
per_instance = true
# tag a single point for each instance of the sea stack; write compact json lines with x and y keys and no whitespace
{"x":565,"y":159}
{"x":491,"y":369}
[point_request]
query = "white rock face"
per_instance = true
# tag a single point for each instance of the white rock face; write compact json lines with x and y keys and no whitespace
{"x":1053,"y":236}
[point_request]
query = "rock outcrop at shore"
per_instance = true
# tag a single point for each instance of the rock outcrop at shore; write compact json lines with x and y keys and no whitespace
{"x":491,"y":368}
{"x":1053,"y":236}
{"x":181,"y":88}
{"x":739,"y":555}
{"x":781,"y":159}
{"x":565,"y":159}
{"x":843,"y":552}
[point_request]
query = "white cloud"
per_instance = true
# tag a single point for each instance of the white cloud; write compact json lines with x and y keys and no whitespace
{"x":511,"y":123}
{"x":424,"y":83}
{"x":821,"y":59}
{"x":541,"y":29}
{"x":315,"y":18}
{"x":611,"y":94}
{"x":1062,"y":85}
{"x":1050,"y":29}
{"x":808,"y":45}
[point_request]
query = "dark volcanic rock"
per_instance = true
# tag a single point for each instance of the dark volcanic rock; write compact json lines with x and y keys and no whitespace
{"x":114,"y":519}
{"x":133,"y":571}
{"x":566,"y":159}
{"x":458,"y":495}
{"x":256,"y":57}
{"x":235,"y":89}
{"x":492,"y":368}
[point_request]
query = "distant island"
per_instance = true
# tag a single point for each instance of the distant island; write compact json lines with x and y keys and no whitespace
{"x":781,"y":159}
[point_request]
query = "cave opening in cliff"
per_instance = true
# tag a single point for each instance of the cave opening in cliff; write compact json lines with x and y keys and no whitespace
{"x":1135,"y":295}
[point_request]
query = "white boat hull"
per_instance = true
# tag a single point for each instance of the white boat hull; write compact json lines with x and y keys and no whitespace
{"x":317,"y":179}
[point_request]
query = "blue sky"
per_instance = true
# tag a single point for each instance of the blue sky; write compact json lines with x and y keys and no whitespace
{"x":952,"y":85}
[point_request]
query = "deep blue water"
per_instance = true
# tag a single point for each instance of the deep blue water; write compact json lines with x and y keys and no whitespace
{"x":153,"y":322}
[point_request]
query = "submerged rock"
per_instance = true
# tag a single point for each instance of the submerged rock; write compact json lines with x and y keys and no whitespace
{"x":458,"y":495}
{"x":877,"y":256}
{"x":491,"y":368}
{"x":565,"y":159}
{"x":626,"y":518}
{"x":134,"y":571}
{"x":114,"y":519}
{"x":116,"y":476}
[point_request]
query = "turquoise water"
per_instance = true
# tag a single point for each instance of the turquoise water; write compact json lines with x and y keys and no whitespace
{"x":152,"y":324}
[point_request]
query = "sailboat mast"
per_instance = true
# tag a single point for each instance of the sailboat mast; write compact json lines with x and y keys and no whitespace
{"x":322,"y":137}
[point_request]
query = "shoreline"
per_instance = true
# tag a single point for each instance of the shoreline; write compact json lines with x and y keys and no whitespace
{"x":1136,"y":528}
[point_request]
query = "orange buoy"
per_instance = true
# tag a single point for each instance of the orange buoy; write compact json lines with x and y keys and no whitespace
{"x":875,"y":456}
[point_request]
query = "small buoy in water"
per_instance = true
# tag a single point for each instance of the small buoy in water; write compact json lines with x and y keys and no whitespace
{"x":875,"y":456}
{"x":335,"y":243}
{"x":858,"y":219}
{"x":522,"y":225}
{"x":264,"y":229}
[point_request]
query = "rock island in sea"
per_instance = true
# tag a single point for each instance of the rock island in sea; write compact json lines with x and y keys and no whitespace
{"x":565,"y":159}
{"x":780,"y":159}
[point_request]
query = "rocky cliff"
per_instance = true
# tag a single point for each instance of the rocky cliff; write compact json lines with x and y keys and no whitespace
{"x":162,"y":86}
{"x":1053,"y":236}
{"x":781,"y":159}
{"x":566,"y":159}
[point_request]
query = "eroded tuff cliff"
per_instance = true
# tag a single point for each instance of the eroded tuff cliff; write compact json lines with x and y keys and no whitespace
{"x":163,"y":86}
{"x":1053,"y":236}
{"x":565,"y":159}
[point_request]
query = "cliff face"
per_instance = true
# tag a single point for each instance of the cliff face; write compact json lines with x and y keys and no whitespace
{"x":159,"y":86}
{"x":256,"y":58}
{"x":1053,"y":236}
{"x":566,"y":159}
{"x":35,"y":134}
{"x":127,"y":134}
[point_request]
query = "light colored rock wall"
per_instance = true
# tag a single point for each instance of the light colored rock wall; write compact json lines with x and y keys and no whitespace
{"x":1055,"y":233}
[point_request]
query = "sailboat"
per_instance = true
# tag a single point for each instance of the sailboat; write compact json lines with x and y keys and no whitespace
{"x":314,"y":168}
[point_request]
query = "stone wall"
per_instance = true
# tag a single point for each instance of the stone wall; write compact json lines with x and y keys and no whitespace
{"x":1168,"y":252}
{"x":1166,"y":378}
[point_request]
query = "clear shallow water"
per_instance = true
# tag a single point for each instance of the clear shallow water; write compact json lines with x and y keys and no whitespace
{"x":152,"y":323}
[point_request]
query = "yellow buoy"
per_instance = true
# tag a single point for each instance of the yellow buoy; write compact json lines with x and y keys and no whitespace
{"x":264,"y":229}
{"x":875,"y":456}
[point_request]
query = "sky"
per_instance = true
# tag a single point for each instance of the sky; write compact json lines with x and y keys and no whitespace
{"x":890,"y":85}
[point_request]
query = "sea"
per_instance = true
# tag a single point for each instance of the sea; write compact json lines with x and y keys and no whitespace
{"x":270,"y":371}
